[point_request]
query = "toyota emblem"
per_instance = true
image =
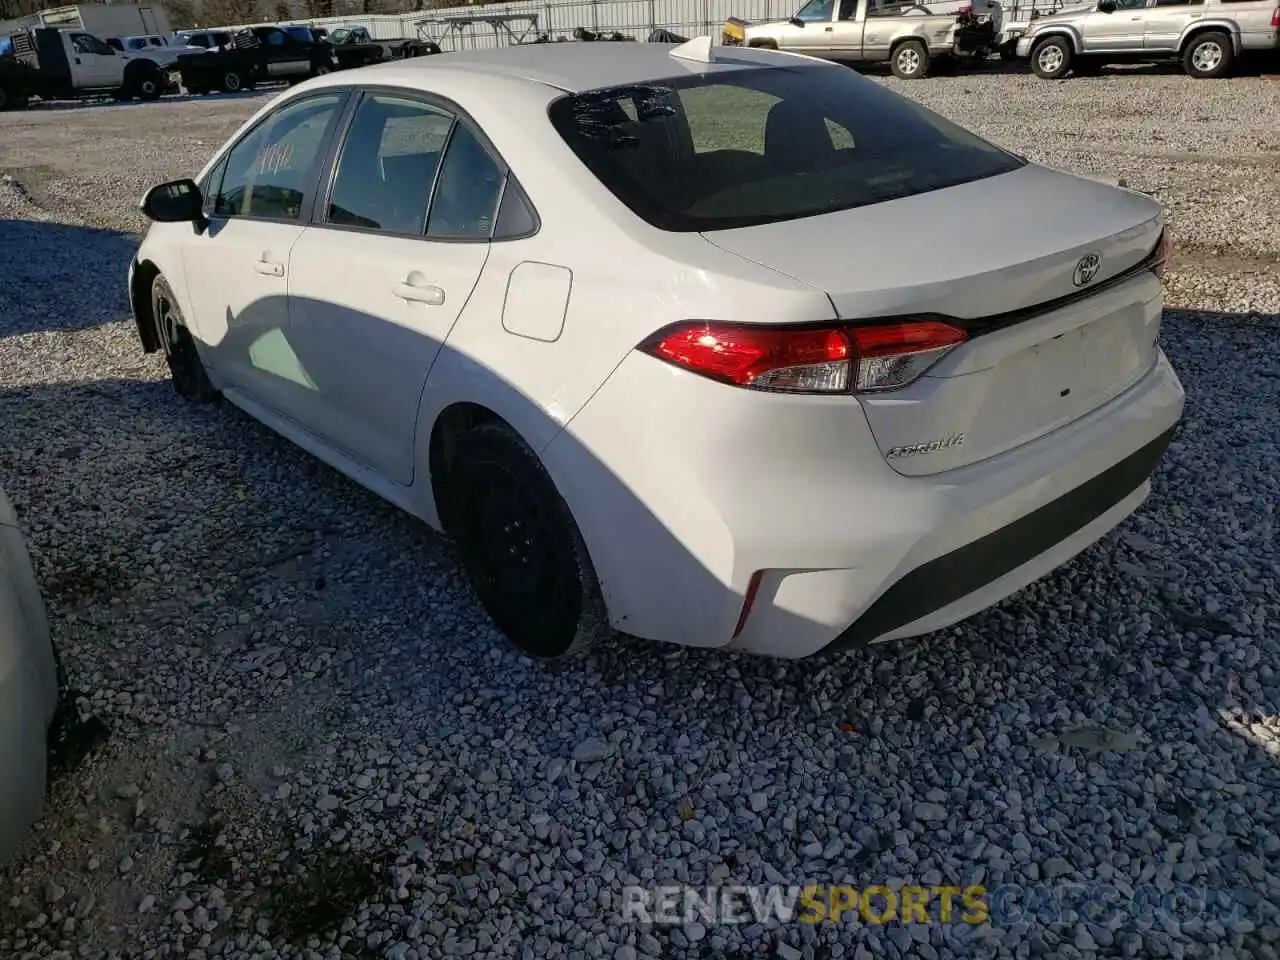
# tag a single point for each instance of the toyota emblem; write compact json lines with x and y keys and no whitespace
{"x":1086,"y":269}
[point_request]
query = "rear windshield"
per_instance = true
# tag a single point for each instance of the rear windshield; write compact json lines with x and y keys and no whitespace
{"x":744,"y":147}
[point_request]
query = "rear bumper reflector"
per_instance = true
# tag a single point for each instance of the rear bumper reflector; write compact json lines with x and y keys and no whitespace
{"x":955,"y":575}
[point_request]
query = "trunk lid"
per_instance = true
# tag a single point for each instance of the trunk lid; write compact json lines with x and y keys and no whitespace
{"x":992,"y":256}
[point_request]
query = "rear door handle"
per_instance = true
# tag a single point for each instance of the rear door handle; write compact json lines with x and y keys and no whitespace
{"x":269,"y":269}
{"x":419,"y":292}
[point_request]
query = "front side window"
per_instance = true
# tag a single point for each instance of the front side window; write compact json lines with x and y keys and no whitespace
{"x":268,"y":173}
{"x":466,"y":196}
{"x":759,"y":145}
{"x":816,"y":10}
{"x":388,"y":165}
{"x":87,"y":43}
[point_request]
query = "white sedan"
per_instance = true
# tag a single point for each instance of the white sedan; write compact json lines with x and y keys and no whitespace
{"x":654,"y":334}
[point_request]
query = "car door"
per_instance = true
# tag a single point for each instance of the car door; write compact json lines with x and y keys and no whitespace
{"x":387,"y":266}
{"x":1114,"y":26}
{"x":95,"y":63}
{"x":846,"y":31}
{"x":879,"y":28}
{"x":286,"y":58}
{"x":258,"y":199}
{"x":815,"y":36}
{"x":1165,"y":21}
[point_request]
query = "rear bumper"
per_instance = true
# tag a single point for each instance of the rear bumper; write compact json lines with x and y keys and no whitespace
{"x":975,"y":568}
{"x":700,"y":497}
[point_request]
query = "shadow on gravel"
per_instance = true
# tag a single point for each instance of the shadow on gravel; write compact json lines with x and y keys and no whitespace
{"x":61,"y":277}
{"x":1099,"y":679}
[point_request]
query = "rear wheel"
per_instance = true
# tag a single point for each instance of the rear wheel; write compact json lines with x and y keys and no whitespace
{"x":520,"y":546}
{"x":1051,"y":59}
{"x":910,"y":60}
{"x":145,"y":83}
{"x":1208,"y":56}
{"x":190,"y":379}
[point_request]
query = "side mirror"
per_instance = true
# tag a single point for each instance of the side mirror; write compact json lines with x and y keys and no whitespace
{"x":796,"y":22}
{"x":1107,"y":6}
{"x":178,"y":201}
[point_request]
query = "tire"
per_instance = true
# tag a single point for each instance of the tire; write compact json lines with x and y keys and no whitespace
{"x":233,"y":82}
{"x":145,"y":83}
{"x":1051,"y":59}
{"x":190,"y":379}
{"x":1208,"y":56}
{"x":520,"y":546}
{"x":909,"y":60}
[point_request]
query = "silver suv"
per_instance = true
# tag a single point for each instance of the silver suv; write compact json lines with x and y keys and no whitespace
{"x":1208,"y":36}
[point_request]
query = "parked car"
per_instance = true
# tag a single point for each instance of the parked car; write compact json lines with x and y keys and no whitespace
{"x":354,"y":46}
{"x":126,"y":44}
{"x":644,"y":329}
{"x":1207,"y":36}
{"x":205,"y":39}
{"x":908,"y":36}
{"x":28,"y":686}
{"x":256,"y":55}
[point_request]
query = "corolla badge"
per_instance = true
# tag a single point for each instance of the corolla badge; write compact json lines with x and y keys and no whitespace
{"x":1086,"y":269}
{"x":933,"y":446}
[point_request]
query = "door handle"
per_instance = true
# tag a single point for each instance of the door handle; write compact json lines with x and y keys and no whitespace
{"x":828,"y":29}
{"x":419,"y":292}
{"x":269,"y":269}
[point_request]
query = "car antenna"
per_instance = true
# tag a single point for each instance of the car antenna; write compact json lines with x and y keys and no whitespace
{"x":699,"y":50}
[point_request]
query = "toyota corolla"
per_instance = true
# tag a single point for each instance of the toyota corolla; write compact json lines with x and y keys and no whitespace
{"x":654,"y":335}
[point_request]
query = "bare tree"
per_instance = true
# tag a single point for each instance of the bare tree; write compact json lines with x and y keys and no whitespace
{"x":182,"y":13}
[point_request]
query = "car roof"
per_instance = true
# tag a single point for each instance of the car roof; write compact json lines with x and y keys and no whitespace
{"x":572,"y":66}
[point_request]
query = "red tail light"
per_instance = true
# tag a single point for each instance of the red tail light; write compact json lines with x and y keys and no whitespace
{"x":1164,"y":249}
{"x":1275,"y":18}
{"x":840,"y":358}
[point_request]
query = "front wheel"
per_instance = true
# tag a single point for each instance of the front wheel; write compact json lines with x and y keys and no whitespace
{"x":1051,"y":59}
{"x":190,"y":379}
{"x":1208,"y":56}
{"x":233,"y":82}
{"x":910,"y":61}
{"x":520,"y":546}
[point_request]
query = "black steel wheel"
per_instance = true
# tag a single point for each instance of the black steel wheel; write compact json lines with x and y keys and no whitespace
{"x":520,"y":547}
{"x":190,"y":379}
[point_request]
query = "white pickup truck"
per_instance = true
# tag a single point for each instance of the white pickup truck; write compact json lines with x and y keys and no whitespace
{"x":57,"y":64}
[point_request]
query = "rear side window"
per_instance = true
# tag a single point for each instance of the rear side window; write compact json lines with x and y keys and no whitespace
{"x":742,"y":147}
{"x":388,"y":165}
{"x":466,"y":198}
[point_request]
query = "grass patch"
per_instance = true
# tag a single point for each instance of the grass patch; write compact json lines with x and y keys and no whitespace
{"x":208,"y":861}
{"x":321,"y":892}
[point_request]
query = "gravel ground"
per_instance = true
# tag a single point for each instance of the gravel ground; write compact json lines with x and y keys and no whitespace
{"x":320,"y":748}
